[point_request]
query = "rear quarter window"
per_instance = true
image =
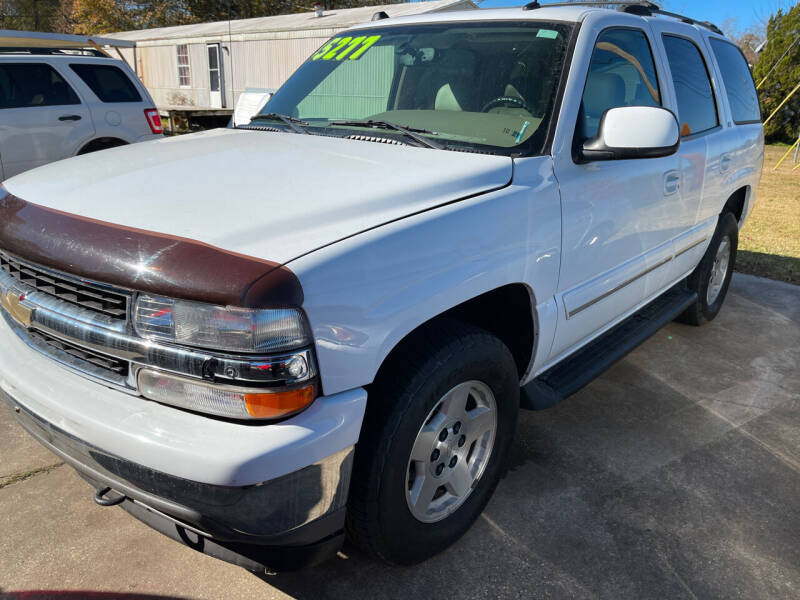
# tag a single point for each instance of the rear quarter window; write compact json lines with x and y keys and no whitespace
{"x":738,"y":82}
{"x":109,"y":83}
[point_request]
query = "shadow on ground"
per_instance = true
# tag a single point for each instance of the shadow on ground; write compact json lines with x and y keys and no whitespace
{"x":782,"y":268}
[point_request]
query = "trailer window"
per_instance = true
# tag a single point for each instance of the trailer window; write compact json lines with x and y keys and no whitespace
{"x":184,"y":79}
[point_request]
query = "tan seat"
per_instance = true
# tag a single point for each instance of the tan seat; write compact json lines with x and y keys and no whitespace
{"x":446,"y":99}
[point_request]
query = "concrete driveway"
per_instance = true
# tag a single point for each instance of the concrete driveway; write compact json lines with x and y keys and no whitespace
{"x":675,"y":475}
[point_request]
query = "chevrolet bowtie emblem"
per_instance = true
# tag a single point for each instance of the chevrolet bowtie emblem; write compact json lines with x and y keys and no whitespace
{"x":12,"y":303}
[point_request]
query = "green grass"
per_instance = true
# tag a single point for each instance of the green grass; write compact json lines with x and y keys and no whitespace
{"x":769,"y":243}
{"x":17,"y":477}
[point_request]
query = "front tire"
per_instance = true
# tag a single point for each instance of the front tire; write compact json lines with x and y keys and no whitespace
{"x":434,"y":443}
{"x":713,"y":275}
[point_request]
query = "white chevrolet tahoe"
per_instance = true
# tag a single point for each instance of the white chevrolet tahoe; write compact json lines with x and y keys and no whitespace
{"x":259,"y":340}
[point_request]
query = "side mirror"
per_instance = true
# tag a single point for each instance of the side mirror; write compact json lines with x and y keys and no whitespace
{"x":633,"y":132}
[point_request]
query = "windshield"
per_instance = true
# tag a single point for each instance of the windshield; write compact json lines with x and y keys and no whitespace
{"x":482,"y":86}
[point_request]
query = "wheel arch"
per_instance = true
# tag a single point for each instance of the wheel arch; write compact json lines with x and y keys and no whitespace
{"x":101,"y":143}
{"x":737,"y":203}
{"x":508,"y":312}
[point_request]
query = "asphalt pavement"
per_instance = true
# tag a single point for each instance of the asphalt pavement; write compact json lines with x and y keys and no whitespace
{"x":674,"y":475}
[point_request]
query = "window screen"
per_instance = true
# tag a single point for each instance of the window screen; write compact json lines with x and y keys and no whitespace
{"x":33,"y":84}
{"x":109,"y":83}
{"x":184,"y":80}
{"x":697,"y":110}
{"x":622,"y":73}
{"x":738,"y":82}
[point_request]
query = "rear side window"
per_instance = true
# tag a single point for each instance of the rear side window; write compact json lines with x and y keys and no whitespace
{"x":622,"y":73}
{"x":697,"y":110}
{"x":24,"y":85}
{"x":738,"y":82}
{"x":109,"y":83}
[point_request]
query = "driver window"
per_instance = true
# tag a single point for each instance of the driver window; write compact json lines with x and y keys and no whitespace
{"x":622,"y":73}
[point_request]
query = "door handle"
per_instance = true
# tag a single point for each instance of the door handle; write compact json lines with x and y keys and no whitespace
{"x":672,"y":182}
{"x":725,"y":162}
{"x":70,"y":118}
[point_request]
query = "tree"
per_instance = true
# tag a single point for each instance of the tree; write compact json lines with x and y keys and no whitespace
{"x":30,"y":15}
{"x":748,"y":42}
{"x":782,"y":31}
{"x":105,"y":16}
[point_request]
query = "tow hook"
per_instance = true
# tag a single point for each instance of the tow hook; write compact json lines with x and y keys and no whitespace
{"x":99,"y":497}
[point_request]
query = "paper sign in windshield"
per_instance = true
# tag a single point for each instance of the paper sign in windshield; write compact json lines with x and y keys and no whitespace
{"x":345,"y":48}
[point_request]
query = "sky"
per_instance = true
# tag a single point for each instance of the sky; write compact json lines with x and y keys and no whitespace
{"x":738,"y":15}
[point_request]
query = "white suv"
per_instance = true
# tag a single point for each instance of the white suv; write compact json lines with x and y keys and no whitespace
{"x":254,"y":339}
{"x":56,"y":105}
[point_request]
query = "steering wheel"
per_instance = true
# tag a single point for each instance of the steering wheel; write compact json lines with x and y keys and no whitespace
{"x":505,"y":100}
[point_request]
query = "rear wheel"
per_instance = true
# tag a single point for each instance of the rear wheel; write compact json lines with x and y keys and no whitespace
{"x":434,"y":444}
{"x":713,"y":275}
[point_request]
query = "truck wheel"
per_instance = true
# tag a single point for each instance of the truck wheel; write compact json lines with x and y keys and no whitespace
{"x":434,"y":443}
{"x":712,"y":276}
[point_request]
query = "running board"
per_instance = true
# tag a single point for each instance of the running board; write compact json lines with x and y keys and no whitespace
{"x":579,"y":369}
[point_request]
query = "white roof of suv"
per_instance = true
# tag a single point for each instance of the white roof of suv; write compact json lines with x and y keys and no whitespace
{"x":566,"y":13}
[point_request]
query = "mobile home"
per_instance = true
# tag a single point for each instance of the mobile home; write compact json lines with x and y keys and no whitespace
{"x":204,"y":67}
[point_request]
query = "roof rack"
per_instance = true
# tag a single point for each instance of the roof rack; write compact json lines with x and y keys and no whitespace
{"x":52,"y":51}
{"x":536,"y":4}
{"x":34,"y":42}
{"x":643,"y":9}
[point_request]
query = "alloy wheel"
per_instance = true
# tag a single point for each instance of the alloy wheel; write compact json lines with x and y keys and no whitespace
{"x":451,"y":451}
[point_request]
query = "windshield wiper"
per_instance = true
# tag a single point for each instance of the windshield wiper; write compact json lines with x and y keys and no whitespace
{"x":291,"y":121}
{"x":412,"y":132}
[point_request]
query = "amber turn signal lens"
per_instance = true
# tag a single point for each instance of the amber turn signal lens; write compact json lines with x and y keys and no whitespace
{"x":279,"y":404}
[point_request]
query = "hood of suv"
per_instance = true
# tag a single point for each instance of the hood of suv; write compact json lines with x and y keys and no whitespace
{"x":273,"y":196}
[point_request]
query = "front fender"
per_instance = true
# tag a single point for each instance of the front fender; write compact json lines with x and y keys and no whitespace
{"x":363,"y":295}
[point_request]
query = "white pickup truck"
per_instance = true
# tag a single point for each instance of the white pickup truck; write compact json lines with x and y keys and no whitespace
{"x":259,"y":340}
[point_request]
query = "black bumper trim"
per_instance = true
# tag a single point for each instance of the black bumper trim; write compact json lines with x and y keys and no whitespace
{"x":252,"y":557}
{"x":219,"y":518}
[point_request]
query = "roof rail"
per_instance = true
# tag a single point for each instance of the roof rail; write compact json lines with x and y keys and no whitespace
{"x":536,"y":4}
{"x":36,"y":42}
{"x":647,"y":9}
{"x":52,"y":51}
{"x":641,"y":8}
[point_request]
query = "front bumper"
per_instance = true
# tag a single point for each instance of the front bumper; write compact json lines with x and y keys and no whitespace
{"x":230,"y":489}
{"x":282,"y":524}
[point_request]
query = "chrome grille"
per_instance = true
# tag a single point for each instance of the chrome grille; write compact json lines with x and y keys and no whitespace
{"x":109,"y":363}
{"x":79,"y":293}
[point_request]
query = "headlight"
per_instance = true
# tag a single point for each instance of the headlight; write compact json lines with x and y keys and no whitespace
{"x":225,"y":328}
{"x":224,"y":400}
